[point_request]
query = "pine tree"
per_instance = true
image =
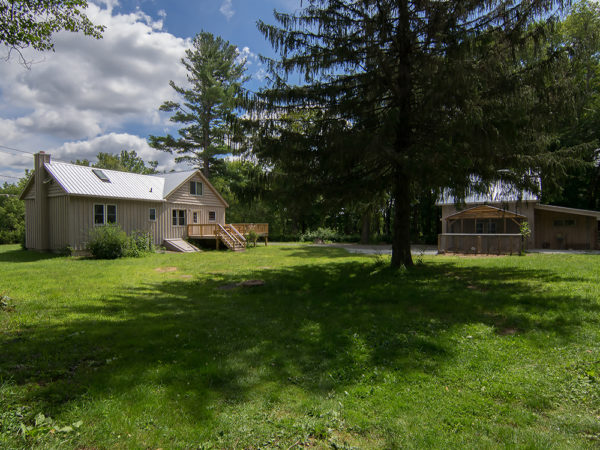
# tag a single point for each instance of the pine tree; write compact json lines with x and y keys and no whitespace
{"x":210,"y":104}
{"x":429,"y":93}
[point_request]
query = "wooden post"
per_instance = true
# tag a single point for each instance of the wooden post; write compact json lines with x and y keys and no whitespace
{"x":479,"y":250}
{"x":266,"y":240}
{"x":218,"y":242}
{"x":462,"y":225}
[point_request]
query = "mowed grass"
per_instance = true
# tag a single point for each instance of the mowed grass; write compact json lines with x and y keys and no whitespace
{"x":335,"y":350}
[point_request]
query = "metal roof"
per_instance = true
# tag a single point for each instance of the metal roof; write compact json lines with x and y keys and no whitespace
{"x":497,"y":193}
{"x":565,"y":210}
{"x":174,"y":179}
{"x":81,"y":180}
{"x":484,"y":212}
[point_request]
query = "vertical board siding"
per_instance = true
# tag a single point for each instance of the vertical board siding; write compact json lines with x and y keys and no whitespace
{"x":58,"y":222}
{"x":131,"y":216}
{"x":577,"y":237}
{"x":30,"y":240}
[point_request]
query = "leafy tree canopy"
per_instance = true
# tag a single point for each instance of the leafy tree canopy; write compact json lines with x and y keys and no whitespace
{"x":31,"y":23}
{"x":127,"y":161}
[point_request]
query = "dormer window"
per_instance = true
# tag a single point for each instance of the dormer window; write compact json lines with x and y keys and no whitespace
{"x":101,"y":175}
{"x":195,"y":188}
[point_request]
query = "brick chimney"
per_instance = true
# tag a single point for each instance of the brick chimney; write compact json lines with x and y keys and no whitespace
{"x":40,"y":220}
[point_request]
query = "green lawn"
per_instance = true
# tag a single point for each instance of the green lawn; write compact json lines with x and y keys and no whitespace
{"x":335,"y":350}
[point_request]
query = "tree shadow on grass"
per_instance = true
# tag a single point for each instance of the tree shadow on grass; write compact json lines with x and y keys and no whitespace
{"x":317,"y":328}
{"x":20,"y":256}
{"x":313,"y":251}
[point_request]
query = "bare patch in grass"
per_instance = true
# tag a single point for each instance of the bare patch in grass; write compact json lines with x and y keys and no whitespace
{"x":165,"y":269}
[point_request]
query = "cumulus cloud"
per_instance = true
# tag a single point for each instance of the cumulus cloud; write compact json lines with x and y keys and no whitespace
{"x":88,"y":86}
{"x":112,"y":143}
{"x":246,"y":55}
{"x":227,"y":9}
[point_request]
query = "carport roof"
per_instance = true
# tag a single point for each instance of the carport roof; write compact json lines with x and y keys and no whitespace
{"x":485,"y":212}
{"x":565,"y":210}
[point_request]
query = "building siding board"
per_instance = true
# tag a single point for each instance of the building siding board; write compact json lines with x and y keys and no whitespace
{"x":58,"y":208}
{"x":55,"y":190}
{"x":208,"y":197}
{"x":30,"y":238}
{"x":131,"y":216}
{"x":577,"y":237}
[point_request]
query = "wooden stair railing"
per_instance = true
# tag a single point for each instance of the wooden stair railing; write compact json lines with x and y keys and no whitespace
{"x":230,"y":240}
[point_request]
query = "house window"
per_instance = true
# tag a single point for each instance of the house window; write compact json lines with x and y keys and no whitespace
{"x":152,"y":214}
{"x":111,"y":213}
{"x":195,"y":217}
{"x":178,"y":217}
{"x":212,"y":216}
{"x":98,"y":214}
{"x":195,"y":188}
{"x":479,"y":228}
{"x":101,"y":175}
{"x":564,"y":223}
{"x":104,"y":214}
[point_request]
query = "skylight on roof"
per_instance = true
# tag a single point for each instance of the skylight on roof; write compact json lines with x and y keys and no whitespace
{"x":101,"y":175}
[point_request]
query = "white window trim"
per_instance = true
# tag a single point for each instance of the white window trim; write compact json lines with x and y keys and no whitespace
{"x":197,"y":183}
{"x":185,"y":214}
{"x":152,"y":220}
{"x":212,"y":220}
{"x":116,"y":212}
{"x":104,"y":214}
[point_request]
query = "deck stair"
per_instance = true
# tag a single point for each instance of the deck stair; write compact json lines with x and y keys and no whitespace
{"x":179,"y":245}
{"x":231,"y":237}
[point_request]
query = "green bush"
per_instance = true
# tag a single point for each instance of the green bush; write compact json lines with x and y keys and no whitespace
{"x":320,"y":234}
{"x":138,"y":244}
{"x":107,"y":242}
{"x":252,"y":236}
{"x":110,"y":242}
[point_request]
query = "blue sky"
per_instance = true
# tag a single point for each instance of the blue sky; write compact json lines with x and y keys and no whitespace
{"x":91,"y":96}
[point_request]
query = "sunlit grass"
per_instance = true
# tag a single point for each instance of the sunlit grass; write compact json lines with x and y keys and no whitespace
{"x":334,"y":350}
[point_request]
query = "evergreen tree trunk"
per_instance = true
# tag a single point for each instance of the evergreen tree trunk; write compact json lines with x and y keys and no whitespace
{"x":401,"y":227}
{"x":365,"y":229}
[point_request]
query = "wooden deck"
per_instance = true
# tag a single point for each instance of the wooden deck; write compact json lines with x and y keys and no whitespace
{"x":232,"y":235}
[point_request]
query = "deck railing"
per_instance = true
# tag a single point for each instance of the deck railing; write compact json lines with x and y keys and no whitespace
{"x":262,"y":229}
{"x":210,"y":229}
{"x":202,"y":230}
{"x":480,"y":243}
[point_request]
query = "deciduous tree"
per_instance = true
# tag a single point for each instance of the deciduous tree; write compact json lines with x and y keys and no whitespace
{"x":32,"y":23}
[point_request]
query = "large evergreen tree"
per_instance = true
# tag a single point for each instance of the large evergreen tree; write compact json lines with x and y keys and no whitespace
{"x":210,"y":104}
{"x":428,"y":93}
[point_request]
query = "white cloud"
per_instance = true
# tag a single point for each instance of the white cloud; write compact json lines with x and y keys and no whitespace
{"x":260,"y":74}
{"x":112,"y":143}
{"x":245,"y":55}
{"x":89,"y":87}
{"x":227,"y":9}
